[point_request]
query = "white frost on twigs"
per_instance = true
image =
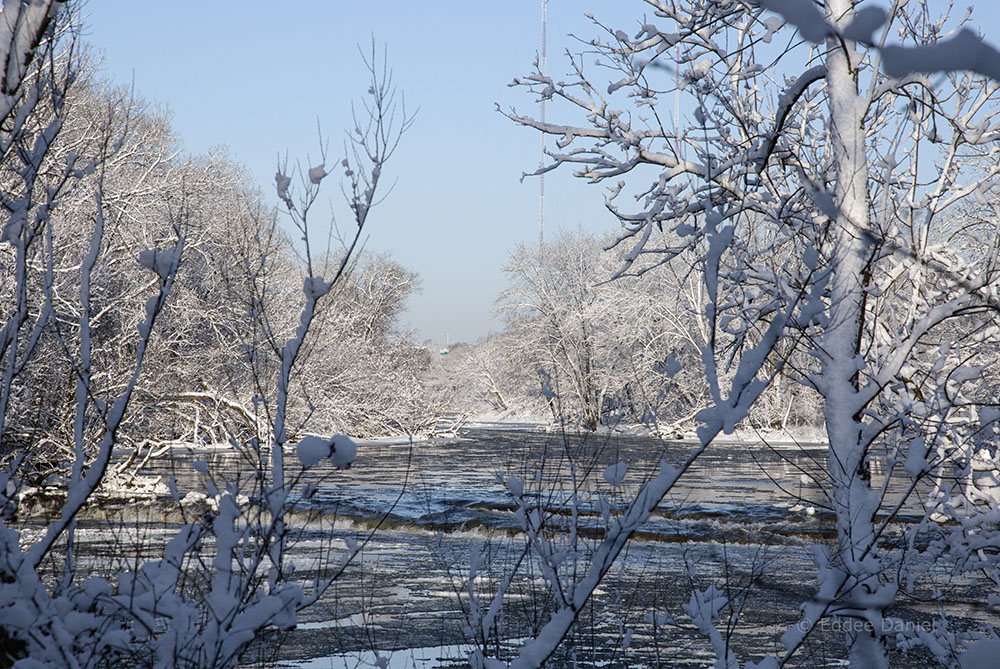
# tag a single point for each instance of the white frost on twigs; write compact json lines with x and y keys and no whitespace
{"x":773,"y":25}
{"x":340,"y":448}
{"x":12,"y":229}
{"x":344,"y":451}
{"x":312,"y":449}
{"x":809,"y":21}
{"x":825,"y":202}
{"x":916,"y":458}
{"x":316,"y":287}
{"x":964,"y":51}
{"x":516,"y":486}
{"x":669,"y":367}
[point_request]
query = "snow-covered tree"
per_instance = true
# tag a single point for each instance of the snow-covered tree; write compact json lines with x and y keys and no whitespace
{"x":89,"y":303}
{"x":601,"y":349}
{"x":145,"y":186}
{"x":552,"y":301}
{"x":810,"y":161}
{"x":362,"y":374}
{"x":198,"y":384}
{"x":613,"y":352}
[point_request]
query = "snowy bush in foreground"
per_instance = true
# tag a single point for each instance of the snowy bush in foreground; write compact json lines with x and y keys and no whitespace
{"x":816,"y":190}
{"x":339,"y":448}
{"x":224,"y":577}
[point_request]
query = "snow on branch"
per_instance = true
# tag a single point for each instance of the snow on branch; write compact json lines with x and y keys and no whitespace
{"x":786,"y":102}
{"x":966,"y":51}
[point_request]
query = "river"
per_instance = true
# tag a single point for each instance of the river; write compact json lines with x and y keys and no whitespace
{"x":743,"y":519}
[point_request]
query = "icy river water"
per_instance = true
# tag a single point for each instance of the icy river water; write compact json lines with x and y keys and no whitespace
{"x":742,"y":518}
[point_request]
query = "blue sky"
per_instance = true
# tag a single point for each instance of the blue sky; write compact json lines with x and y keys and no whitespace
{"x":255,"y":77}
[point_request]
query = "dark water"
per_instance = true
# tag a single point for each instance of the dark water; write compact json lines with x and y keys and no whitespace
{"x":742,"y":518}
{"x":454,"y":485}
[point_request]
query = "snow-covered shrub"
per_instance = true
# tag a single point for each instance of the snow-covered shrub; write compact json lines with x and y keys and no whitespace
{"x":224,"y":576}
{"x":806,"y":161}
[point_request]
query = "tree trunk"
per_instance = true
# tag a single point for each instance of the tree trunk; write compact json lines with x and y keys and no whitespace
{"x":854,"y":501}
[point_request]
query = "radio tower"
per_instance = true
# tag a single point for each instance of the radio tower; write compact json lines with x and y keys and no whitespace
{"x":542,"y":67}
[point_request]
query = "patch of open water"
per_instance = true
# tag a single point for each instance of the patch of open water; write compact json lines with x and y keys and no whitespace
{"x":743,"y":510}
